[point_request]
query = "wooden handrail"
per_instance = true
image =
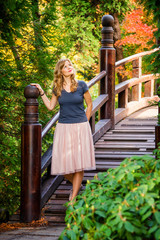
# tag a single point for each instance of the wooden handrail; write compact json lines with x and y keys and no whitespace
{"x":100,"y":100}
{"x":96,"y":79}
{"x":135,"y":56}
{"x":132,"y":82}
{"x":50,"y":124}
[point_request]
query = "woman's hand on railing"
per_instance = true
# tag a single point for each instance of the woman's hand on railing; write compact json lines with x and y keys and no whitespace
{"x":39,"y":88}
{"x":50,"y":104}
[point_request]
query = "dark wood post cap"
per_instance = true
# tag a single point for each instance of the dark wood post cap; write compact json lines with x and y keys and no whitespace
{"x":107,"y":31}
{"x":107,"y":21}
{"x":31,"y":92}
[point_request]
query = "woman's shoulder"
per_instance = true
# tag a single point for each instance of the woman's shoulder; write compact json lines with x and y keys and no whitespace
{"x":83,"y":86}
{"x":81,"y":83}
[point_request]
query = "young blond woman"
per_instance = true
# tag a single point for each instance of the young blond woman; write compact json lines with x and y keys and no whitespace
{"x":73,"y":150}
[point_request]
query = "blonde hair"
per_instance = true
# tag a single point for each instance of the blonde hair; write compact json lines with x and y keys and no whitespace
{"x":59,"y":80}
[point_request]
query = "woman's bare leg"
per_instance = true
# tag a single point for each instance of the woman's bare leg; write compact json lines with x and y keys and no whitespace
{"x":69,"y":177}
{"x":77,"y":180}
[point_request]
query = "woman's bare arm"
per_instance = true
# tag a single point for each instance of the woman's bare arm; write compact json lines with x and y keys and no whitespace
{"x":88,"y":101}
{"x":50,"y":104}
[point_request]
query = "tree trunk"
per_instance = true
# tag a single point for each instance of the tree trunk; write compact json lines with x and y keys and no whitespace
{"x":36,"y":25}
{"x":14,"y":50}
{"x":38,"y":40}
{"x":119,"y":50}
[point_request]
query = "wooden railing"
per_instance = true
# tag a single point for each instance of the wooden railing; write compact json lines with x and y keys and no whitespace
{"x":31,"y":199}
{"x":140,"y":96}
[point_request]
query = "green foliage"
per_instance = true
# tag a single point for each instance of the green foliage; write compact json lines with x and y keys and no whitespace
{"x":21,"y":63}
{"x":122,"y":203}
{"x":11,"y":107}
{"x":10,"y":173}
{"x":152,"y":6}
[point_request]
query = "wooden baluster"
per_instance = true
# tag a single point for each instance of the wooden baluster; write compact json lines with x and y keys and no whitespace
{"x":152,"y":87}
{"x":31,"y":158}
{"x":123,"y":99}
{"x":136,"y":92}
{"x":148,"y":88}
{"x":49,"y":170}
{"x":107,"y":63}
{"x":137,"y":68}
{"x":137,"y":73}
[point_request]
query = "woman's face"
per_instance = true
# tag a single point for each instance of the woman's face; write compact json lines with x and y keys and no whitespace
{"x":67,"y":69}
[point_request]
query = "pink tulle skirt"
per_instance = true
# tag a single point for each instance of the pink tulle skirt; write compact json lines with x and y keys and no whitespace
{"x":73,"y":149}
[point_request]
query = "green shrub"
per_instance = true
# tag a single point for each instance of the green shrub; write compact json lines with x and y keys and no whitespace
{"x":122,"y":203}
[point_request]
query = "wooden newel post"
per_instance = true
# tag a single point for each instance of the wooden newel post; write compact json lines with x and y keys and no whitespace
{"x":107,"y":63}
{"x":137,"y":73}
{"x":31,"y":158}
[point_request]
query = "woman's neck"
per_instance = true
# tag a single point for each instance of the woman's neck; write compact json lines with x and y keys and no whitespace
{"x":67,"y":80}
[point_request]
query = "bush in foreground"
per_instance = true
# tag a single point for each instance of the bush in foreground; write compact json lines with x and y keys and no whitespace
{"x":122,"y":203}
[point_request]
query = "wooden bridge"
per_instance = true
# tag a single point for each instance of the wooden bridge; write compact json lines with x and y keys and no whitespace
{"x":114,"y":139}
